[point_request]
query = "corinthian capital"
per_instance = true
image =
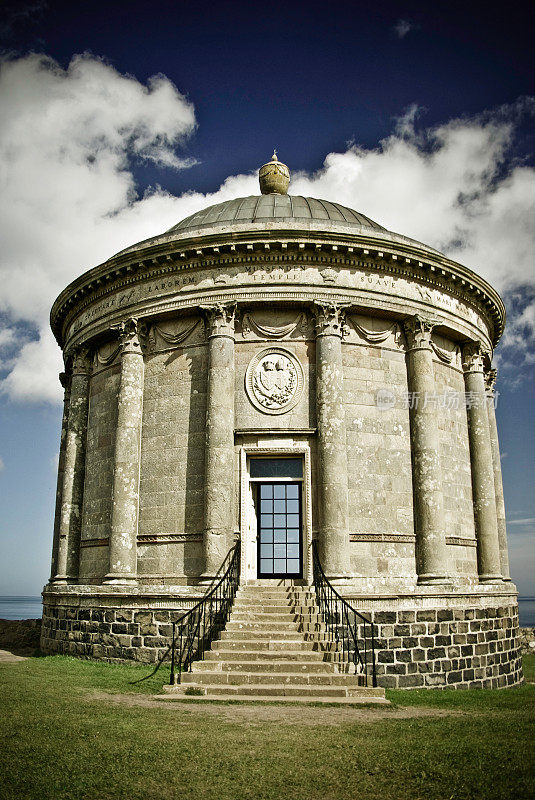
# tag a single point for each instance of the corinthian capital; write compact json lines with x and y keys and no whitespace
{"x":219,"y":319}
{"x":418,"y":332}
{"x":472,"y":358}
{"x":81,"y":361}
{"x":490,"y":381}
{"x":330,"y":318}
{"x":131,"y":336}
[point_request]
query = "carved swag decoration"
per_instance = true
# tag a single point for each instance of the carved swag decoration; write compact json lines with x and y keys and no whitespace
{"x":272,"y":331}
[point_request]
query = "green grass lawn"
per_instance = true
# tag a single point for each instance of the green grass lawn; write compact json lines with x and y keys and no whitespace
{"x":61,"y":738}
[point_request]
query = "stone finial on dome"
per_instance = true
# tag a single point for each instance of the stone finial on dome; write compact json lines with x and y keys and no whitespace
{"x":274,"y":176}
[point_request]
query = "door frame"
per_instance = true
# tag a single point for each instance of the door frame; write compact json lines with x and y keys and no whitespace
{"x":248,"y":529}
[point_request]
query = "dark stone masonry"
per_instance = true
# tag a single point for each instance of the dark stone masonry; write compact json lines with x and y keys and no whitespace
{"x":463,"y":648}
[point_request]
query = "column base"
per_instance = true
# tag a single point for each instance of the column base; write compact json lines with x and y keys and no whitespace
{"x":119,"y":580}
{"x":59,"y":580}
{"x":430,"y":579}
{"x":491,"y":579}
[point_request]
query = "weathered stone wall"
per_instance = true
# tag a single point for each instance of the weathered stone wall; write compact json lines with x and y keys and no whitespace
{"x":172,"y":464}
{"x":455,"y":466}
{"x":464,"y":648}
{"x":96,"y":518}
{"x":379,"y":459}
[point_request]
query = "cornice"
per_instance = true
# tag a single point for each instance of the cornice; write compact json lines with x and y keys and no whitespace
{"x":303,"y":248}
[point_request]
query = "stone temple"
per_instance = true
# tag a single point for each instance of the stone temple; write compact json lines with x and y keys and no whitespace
{"x":272,"y":371}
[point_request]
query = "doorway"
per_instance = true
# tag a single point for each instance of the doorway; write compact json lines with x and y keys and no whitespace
{"x":276,"y":487}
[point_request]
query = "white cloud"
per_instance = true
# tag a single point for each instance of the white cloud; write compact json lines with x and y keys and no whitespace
{"x":403,"y":27}
{"x":2,"y":465}
{"x":67,"y":140}
{"x":458,"y":188}
{"x":35,"y":372}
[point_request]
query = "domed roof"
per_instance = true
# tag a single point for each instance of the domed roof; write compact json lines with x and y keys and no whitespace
{"x":267,"y":207}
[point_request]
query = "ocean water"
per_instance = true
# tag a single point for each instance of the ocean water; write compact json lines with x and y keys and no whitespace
{"x":526,"y":612}
{"x":30,"y":608}
{"x":20,"y":607}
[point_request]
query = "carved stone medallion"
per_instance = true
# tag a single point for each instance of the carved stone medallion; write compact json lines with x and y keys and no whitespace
{"x":274,"y":381}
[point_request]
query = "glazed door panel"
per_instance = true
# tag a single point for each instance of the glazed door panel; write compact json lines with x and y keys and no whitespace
{"x":279,"y":513}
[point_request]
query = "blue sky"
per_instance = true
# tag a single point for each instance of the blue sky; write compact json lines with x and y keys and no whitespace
{"x":121,"y":118}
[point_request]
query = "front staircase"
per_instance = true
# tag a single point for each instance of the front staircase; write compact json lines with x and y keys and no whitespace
{"x":274,"y":648}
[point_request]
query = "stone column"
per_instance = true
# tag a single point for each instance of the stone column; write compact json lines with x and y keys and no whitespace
{"x":490,"y":383}
{"x":332,"y":444}
{"x":219,"y":443}
{"x":66,"y":383}
{"x":488,"y":550}
{"x":125,"y":509}
{"x":70,"y":521}
{"x":431,"y":557}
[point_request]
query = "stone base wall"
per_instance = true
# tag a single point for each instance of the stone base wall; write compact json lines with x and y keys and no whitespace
{"x":462,"y":648}
{"x":107,"y":634}
{"x":20,"y":635}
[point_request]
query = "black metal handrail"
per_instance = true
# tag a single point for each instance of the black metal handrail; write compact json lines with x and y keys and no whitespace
{"x":194,"y":631}
{"x":343,"y":623}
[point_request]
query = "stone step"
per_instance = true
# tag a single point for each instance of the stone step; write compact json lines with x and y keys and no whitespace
{"x":317,"y":636}
{"x":224,"y":678}
{"x":309,"y":619}
{"x":296,"y":644}
{"x":355,"y":700}
{"x":289,"y":596}
{"x":259,"y":602}
{"x":326,"y":646}
{"x":311,"y":627}
{"x":276,"y":624}
{"x":255,"y":633}
{"x":264,"y":665}
{"x":270,"y":655}
{"x":281,"y":690}
{"x":256,"y":608}
{"x":306,"y":611}
{"x":260,"y":616}
{"x":268,"y":627}
{"x":268,"y":593}
{"x":276,"y":647}
{"x":304,"y":606}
